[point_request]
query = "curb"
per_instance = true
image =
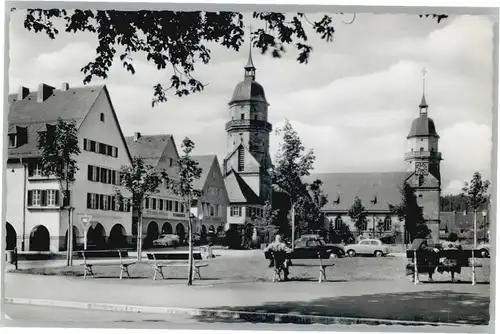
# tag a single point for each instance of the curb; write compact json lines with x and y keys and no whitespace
{"x":225,"y":314}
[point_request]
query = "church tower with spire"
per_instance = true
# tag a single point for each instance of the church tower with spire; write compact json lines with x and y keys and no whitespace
{"x":423,"y":160}
{"x":248,"y":160}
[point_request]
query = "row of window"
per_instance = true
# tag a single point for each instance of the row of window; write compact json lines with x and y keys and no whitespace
{"x":160,"y":204}
{"x":96,"y":147}
{"x":43,"y":198}
{"x":103,"y":175}
{"x":212,"y":210}
{"x":386,"y":224}
{"x":107,"y":203}
{"x":236,"y":211}
{"x":213,"y":191}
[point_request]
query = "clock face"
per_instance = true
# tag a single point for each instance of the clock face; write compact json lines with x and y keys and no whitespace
{"x":255,"y":141}
{"x":421,"y":168}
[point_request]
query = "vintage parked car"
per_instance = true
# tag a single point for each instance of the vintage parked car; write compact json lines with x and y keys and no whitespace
{"x":367,"y":247}
{"x":308,"y":246}
{"x":167,"y":240}
{"x":484,"y":249}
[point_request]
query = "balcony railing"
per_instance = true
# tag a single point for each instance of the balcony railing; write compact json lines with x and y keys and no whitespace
{"x":422,"y":154}
{"x":243,"y":123}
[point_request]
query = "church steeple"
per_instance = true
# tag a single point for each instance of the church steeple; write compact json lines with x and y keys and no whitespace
{"x":249,"y":67}
{"x":423,"y":103}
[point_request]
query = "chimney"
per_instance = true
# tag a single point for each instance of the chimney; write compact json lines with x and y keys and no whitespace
{"x":137,"y":135}
{"x":23,"y":93}
{"x":64,"y":86}
{"x":44,"y":91}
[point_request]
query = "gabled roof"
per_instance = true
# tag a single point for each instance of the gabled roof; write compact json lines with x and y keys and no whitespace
{"x":239,"y":191}
{"x":72,"y":104}
{"x":205,"y":162}
{"x":150,"y":147}
{"x":75,"y":103}
{"x":376,"y":190}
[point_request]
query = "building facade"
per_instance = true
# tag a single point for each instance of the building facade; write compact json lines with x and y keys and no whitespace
{"x":34,"y":210}
{"x":164,"y":212}
{"x":247,"y":163}
{"x":379,"y":190}
{"x":210,"y":209}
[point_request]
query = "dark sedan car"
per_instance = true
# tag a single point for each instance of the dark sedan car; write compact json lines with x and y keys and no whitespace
{"x":306,"y":248}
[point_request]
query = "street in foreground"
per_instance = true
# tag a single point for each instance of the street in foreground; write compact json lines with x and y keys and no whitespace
{"x":25,"y":315}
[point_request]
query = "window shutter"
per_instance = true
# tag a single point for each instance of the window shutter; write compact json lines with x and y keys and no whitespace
{"x":44,"y":198}
{"x":113,"y":177}
{"x":30,"y":197}
{"x":110,"y":176}
{"x":56,"y":198}
{"x":85,"y":144}
{"x":97,"y":174}
{"x":101,"y":200}
{"x":89,"y":201}
{"x":90,"y":169}
{"x":116,"y":152}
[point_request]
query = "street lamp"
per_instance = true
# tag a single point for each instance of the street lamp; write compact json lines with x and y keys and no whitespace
{"x":485,"y":214}
{"x":85,"y":219}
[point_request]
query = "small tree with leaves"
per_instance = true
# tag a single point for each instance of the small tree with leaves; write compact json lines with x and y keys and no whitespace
{"x":184,"y":188}
{"x":59,"y":145}
{"x":358,"y":214}
{"x":476,"y":192}
{"x":291,"y":164}
{"x":140,"y":181}
{"x":411,"y":213}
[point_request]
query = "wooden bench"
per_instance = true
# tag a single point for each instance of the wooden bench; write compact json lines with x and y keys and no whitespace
{"x":174,"y":259}
{"x":279,"y":258}
{"x":464,"y":258}
{"x":94,"y":254}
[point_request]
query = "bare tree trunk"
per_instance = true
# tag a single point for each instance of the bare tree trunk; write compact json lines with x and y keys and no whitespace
{"x":139,"y":235}
{"x":190,"y":242}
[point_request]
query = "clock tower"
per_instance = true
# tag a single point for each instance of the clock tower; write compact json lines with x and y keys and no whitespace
{"x":248,"y":130}
{"x":423,"y":160}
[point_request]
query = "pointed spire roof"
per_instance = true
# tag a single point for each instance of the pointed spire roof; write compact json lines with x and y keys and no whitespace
{"x":250,"y":65}
{"x":423,"y":103}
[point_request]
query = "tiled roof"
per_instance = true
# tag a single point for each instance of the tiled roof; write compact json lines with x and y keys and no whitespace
{"x":149,"y":148}
{"x":239,"y":191}
{"x":205,"y":162}
{"x":376,"y":190}
{"x":72,"y":104}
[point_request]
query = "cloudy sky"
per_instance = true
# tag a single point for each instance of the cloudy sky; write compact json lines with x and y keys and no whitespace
{"x":353,"y":103}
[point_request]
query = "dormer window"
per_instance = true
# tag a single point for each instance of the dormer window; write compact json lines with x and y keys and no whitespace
{"x":12,"y":140}
{"x":102,"y":117}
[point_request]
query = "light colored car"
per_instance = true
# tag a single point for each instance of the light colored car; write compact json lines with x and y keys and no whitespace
{"x":166,"y":240}
{"x":367,"y":247}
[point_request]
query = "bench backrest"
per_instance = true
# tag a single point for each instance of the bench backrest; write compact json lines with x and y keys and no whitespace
{"x":449,"y":253}
{"x":174,"y":256}
{"x":94,"y":254}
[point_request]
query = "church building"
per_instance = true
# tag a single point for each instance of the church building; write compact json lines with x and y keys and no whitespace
{"x":379,"y":190}
{"x":246,"y":165}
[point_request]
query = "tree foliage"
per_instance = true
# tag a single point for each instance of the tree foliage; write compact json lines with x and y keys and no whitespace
{"x":292,"y":162}
{"x":184,"y":188}
{"x":409,"y":211}
{"x":476,"y":192}
{"x":358,"y":214}
{"x":140,"y":180}
{"x":59,"y":145}
{"x":175,"y":41}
